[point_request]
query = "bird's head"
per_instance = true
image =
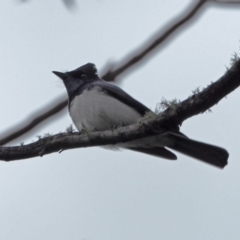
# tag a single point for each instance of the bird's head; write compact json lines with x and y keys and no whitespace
{"x":76,"y":78}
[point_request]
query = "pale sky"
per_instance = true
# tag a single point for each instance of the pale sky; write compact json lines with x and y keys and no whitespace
{"x":97,"y":194}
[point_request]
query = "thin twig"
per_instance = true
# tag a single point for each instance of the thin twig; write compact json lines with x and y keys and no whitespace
{"x":153,"y":42}
{"x":225,"y":2}
{"x":35,"y":119}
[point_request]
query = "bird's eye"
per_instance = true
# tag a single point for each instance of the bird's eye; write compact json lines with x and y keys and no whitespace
{"x":83,"y":76}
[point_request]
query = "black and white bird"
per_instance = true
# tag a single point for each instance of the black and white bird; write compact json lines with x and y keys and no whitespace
{"x":95,"y":104}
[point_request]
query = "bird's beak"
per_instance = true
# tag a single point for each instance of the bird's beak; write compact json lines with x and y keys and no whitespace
{"x":61,"y":75}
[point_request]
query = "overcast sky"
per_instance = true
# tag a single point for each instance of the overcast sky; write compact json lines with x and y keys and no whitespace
{"x":93,"y":193}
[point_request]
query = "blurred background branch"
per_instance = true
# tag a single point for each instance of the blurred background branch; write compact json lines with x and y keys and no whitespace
{"x":70,"y":4}
{"x":226,"y":1}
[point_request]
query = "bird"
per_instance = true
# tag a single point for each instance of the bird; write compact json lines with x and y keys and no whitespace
{"x":95,"y":104}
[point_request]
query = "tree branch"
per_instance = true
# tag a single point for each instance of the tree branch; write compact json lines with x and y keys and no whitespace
{"x":154,"y":41}
{"x":173,"y":116}
{"x":226,"y":2}
{"x":35,"y":119}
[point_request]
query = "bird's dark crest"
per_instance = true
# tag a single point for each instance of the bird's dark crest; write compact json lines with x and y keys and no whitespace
{"x":89,"y":69}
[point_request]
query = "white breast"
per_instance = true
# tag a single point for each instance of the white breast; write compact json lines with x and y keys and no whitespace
{"x":94,"y":109}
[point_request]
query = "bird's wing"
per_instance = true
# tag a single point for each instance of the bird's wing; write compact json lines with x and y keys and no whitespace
{"x":155,"y":151}
{"x":125,"y":98}
{"x":122,"y":96}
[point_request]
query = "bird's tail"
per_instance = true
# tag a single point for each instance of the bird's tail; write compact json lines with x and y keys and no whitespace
{"x":202,"y":151}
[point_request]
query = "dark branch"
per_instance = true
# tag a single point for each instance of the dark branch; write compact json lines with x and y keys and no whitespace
{"x":153,"y":42}
{"x":35,"y":119}
{"x":70,"y":4}
{"x":226,"y":2}
{"x":211,"y":95}
{"x":174,"y":116}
